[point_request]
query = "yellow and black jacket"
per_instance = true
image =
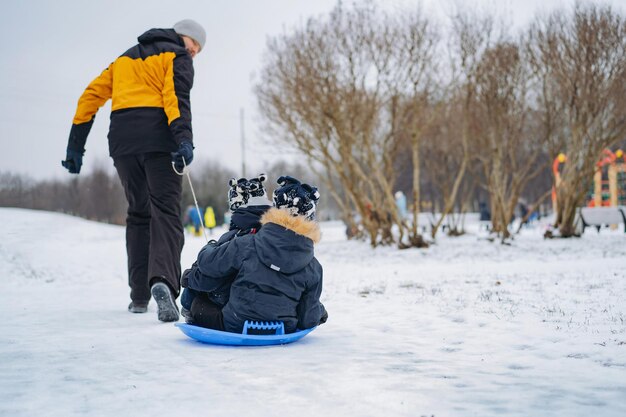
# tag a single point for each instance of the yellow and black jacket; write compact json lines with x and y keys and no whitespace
{"x":149,"y":86}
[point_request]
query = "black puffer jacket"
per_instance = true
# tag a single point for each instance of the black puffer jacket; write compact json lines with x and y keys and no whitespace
{"x":277,"y":277}
{"x":149,"y":86}
{"x":245,"y":220}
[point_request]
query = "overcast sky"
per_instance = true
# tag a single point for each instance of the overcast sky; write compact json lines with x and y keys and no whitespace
{"x":51,"y":50}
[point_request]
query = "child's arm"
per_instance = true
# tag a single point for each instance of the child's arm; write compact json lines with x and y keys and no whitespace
{"x":310,"y":311}
{"x":214,"y":264}
{"x":228,"y":236}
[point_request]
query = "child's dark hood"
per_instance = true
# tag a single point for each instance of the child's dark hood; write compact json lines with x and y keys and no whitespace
{"x":285,"y":243}
{"x":163,"y":35}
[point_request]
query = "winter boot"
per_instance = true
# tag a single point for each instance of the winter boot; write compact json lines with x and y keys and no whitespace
{"x":185,"y":313}
{"x":138,"y":307}
{"x":166,"y":306}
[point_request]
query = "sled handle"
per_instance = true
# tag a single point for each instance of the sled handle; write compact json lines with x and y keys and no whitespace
{"x":277,"y":326}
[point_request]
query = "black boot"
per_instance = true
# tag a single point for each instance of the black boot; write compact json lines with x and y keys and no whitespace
{"x":138,"y":307}
{"x":166,"y":306}
{"x":185,"y":313}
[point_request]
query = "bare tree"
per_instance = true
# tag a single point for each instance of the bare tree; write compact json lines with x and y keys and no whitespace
{"x":445,"y":160}
{"x":327,"y":209}
{"x":507,"y":148}
{"x":448,"y":147}
{"x":338,"y":90}
{"x":579,"y":61}
{"x":15,"y":190}
{"x":101,"y":196}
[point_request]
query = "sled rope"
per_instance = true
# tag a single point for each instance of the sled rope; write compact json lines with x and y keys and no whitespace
{"x":193,"y":193}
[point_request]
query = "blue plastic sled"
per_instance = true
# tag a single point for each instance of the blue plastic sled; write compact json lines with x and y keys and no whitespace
{"x":217,"y":337}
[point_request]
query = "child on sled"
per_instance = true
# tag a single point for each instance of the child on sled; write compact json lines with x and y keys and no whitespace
{"x":247,"y":200}
{"x":276,"y":275}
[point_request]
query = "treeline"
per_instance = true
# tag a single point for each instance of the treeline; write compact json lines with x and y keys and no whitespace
{"x":447,"y":111}
{"x":98,"y":195}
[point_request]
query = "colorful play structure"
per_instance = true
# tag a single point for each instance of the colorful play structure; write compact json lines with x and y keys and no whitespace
{"x":606,"y":199}
{"x":609,"y":180}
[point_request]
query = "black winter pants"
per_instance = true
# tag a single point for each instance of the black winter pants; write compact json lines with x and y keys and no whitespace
{"x":205,"y":313}
{"x":154,"y":231}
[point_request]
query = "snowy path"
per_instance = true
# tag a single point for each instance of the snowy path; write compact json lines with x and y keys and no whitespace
{"x":465,"y":328}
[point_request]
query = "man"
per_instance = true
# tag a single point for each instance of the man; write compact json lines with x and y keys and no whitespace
{"x":149,"y":134}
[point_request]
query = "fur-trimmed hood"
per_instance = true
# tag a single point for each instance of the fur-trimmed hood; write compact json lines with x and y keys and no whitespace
{"x":299,"y":224}
{"x":285,"y":243}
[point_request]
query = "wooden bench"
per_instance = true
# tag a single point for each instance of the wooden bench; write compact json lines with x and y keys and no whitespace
{"x":603,"y":216}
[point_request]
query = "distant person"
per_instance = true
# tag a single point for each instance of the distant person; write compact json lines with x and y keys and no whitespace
{"x":523,"y":212}
{"x":484,"y":216}
{"x":150,"y":132}
{"x":209,"y":219}
{"x":401,"y":204}
{"x":277,"y":277}
{"x":194,"y":219}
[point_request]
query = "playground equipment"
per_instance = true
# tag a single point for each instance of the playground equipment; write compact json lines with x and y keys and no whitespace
{"x":609,"y":181}
{"x":556,"y":165}
{"x":606,"y":200}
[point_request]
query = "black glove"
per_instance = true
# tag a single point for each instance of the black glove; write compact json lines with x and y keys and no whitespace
{"x":184,"y":152}
{"x":76,"y":146}
{"x":73,"y":161}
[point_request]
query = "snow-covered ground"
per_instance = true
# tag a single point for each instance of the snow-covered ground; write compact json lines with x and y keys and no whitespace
{"x":464,"y":328}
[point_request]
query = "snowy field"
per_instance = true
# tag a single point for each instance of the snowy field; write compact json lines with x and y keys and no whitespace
{"x":464,"y":328}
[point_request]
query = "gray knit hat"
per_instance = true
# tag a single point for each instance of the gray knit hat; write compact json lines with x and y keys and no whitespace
{"x":192,"y":29}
